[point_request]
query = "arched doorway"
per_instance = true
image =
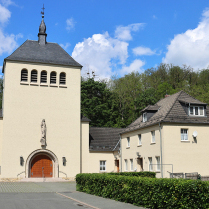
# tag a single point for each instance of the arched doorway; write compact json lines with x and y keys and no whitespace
{"x":42,"y":157}
{"x":41,"y":166}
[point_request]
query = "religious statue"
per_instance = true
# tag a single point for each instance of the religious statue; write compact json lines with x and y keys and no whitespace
{"x":43,"y":133}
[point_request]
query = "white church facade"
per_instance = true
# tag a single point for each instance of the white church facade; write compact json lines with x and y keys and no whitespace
{"x":42,"y":133}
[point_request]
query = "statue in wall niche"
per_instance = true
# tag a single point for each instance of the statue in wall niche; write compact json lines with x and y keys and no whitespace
{"x":43,"y":133}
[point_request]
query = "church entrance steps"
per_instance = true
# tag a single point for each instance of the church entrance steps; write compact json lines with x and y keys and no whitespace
{"x":43,"y":180}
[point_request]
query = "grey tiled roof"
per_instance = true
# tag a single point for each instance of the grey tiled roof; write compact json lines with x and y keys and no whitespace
{"x":171,"y":111}
{"x":84,"y":119}
{"x":50,"y":53}
{"x":151,"y":107}
{"x":104,"y":139}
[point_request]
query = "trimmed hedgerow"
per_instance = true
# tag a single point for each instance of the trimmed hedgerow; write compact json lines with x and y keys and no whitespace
{"x":138,"y":174}
{"x":147,"y":192}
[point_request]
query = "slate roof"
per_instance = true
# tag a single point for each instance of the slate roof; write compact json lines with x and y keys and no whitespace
{"x":50,"y":53}
{"x":172,"y":111}
{"x":84,"y":119}
{"x":151,"y":108}
{"x":104,"y":139}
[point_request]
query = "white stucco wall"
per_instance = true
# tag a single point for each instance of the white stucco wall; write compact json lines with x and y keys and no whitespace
{"x":147,"y":149}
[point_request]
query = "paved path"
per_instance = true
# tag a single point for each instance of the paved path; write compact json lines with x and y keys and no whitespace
{"x":59,"y":195}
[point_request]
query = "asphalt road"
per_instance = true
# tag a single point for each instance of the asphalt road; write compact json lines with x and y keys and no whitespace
{"x":19,"y":195}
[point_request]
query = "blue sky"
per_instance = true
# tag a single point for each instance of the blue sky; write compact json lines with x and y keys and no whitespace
{"x":113,"y":37}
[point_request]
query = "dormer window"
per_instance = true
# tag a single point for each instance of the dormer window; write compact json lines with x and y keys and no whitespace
{"x":196,"y":111}
{"x":144,"y":117}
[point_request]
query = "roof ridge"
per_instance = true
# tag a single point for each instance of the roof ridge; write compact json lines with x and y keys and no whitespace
{"x":191,"y":96}
{"x":106,"y":127}
{"x":180,"y":92}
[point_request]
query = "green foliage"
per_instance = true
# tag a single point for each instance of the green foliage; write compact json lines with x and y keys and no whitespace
{"x":138,"y":174}
{"x":120,"y":101}
{"x":97,"y":103}
{"x":147,"y":192}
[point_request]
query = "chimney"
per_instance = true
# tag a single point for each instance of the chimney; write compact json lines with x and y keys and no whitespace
{"x":167,"y":95}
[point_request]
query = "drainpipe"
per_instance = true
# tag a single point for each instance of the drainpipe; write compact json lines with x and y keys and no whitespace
{"x":161,"y":153}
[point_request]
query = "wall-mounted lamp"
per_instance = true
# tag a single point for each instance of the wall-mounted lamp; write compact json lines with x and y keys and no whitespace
{"x":21,"y":161}
{"x":64,"y":161}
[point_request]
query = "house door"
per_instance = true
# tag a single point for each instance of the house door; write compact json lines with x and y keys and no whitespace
{"x":117,"y":165}
{"x":139,"y":164}
{"x":41,"y":167}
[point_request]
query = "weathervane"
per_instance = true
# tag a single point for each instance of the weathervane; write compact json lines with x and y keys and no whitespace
{"x":43,"y":11}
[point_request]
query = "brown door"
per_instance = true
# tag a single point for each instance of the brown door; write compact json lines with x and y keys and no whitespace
{"x":41,"y":167}
{"x":117,"y":165}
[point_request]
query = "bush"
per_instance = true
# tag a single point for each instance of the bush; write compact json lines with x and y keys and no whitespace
{"x":147,"y":192}
{"x":138,"y":174}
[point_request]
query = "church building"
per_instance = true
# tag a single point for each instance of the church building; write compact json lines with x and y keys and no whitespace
{"x":42,"y":132}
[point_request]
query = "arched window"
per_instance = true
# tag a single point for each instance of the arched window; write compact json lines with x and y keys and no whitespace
{"x":24,"y":75}
{"x":43,"y":76}
{"x":53,"y":77}
{"x":33,"y":76}
{"x":62,"y":78}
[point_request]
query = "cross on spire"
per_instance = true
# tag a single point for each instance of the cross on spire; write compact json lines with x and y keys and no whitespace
{"x":42,"y":12}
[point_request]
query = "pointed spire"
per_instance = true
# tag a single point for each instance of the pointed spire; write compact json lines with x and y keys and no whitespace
{"x":42,"y":30}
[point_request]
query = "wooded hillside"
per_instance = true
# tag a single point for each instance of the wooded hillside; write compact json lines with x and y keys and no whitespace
{"x":118,"y":102}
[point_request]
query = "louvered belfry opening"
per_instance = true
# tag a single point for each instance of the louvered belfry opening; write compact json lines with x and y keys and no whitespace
{"x":43,"y":76}
{"x":62,"y":78}
{"x":24,"y":75}
{"x":53,"y":77}
{"x":34,"y":76}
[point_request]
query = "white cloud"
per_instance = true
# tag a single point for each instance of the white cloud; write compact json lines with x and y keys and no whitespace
{"x":124,"y":32}
{"x":106,"y":55}
{"x":70,"y":23}
{"x":135,"y":66}
{"x":192,"y":47}
{"x":8,"y":42}
{"x":65,"y":46}
{"x":143,"y":51}
{"x":100,"y":53}
{"x":6,"y":3}
{"x":5,"y":14}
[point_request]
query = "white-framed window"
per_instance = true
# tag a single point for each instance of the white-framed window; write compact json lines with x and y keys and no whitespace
{"x":184,"y":134}
{"x":139,"y":139}
{"x":43,"y":76}
{"x":131,"y":165}
{"x":33,"y":77}
{"x":62,"y":78}
{"x":158,"y":163}
{"x":128,"y":141}
{"x":150,"y":164}
{"x":24,"y":75}
{"x":196,"y":110}
{"x":102,"y":165}
{"x":126,"y":164}
{"x":153,"y":136}
{"x":144,"y":117}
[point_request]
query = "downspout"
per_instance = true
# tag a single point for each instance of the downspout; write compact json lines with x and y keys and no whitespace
{"x":161,"y":153}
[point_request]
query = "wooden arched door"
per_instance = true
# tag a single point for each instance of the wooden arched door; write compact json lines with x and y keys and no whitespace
{"x":41,"y":167}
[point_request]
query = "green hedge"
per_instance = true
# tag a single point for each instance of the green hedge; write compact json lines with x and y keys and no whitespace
{"x":147,"y":192}
{"x":138,"y":174}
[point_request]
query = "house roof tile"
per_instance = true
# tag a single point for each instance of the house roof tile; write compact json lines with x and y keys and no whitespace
{"x":171,"y":110}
